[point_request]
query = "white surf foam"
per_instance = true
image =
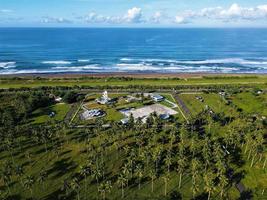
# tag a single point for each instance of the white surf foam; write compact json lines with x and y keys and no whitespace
{"x":83,"y":60}
{"x":85,"y":67}
{"x":239,"y":61}
{"x":137,"y":67}
{"x":7,"y":65}
{"x":57,"y":62}
{"x":126,"y":59}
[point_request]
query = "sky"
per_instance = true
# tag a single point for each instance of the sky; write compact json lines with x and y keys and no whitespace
{"x":133,"y":13}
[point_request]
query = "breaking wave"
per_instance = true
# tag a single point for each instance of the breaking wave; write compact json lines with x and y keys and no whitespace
{"x":57,"y":62}
{"x":7,"y":65}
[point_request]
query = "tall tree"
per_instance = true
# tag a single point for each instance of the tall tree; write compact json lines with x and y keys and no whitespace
{"x":153,"y":176}
{"x":28,"y":184}
{"x":121,"y":182}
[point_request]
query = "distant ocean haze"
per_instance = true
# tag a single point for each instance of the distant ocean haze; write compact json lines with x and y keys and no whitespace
{"x":92,"y":50}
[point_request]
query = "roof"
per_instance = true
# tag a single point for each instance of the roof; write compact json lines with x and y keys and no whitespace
{"x":157,"y":96}
{"x":147,"y":110}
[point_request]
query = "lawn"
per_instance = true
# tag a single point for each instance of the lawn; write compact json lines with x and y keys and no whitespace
{"x":42,"y":115}
{"x":212,"y":100}
{"x":250,"y":103}
{"x":10,"y":83}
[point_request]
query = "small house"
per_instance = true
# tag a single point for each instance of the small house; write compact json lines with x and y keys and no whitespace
{"x":157,"y":97}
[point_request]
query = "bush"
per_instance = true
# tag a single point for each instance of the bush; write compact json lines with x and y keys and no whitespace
{"x":70,"y":97}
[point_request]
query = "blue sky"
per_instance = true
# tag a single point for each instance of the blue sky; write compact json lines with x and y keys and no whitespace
{"x":133,"y":13}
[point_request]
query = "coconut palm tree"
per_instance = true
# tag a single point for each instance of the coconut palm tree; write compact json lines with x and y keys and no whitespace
{"x":126,"y":172}
{"x":209,"y":184}
{"x":195,"y":171}
{"x":6,"y":178}
{"x":223,"y":183}
{"x":75,"y":186}
{"x":19,"y":173}
{"x":168,"y":161}
{"x":41,"y":178}
{"x":28,"y":184}
{"x":181,"y":165}
{"x":85,"y":171}
{"x":104,"y":188}
{"x":153,"y":175}
{"x":206,"y":152}
{"x":65,"y":187}
{"x":96,"y":174}
{"x":121,"y":182}
{"x":156,"y":154}
{"x":166,"y":178}
{"x":139,"y":173}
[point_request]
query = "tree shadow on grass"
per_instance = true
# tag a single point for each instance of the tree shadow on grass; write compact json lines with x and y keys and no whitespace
{"x":202,"y":196}
{"x":62,"y":167}
{"x":14,"y":197}
{"x":60,"y":195}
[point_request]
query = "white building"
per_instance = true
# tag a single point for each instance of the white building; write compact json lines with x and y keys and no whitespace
{"x":89,"y":114}
{"x":157,"y":97}
{"x":104,"y":99}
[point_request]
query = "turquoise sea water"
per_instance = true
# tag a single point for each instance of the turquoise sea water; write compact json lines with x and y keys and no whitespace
{"x":69,"y":50}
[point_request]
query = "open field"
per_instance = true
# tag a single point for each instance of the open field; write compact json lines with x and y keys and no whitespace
{"x":42,"y":115}
{"x":92,"y":82}
{"x":251,"y":104}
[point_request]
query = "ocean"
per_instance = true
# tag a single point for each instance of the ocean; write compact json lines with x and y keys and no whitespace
{"x":98,"y":50}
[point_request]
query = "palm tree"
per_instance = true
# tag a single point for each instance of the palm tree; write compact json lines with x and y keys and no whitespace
{"x":6,"y":177}
{"x":166,"y":179}
{"x":168,"y":161}
{"x":126,"y":172}
{"x":209,"y":185}
{"x":104,"y":188}
{"x":153,"y":176}
{"x":156,"y":153}
{"x":195,"y":172}
{"x":85,"y":171}
{"x":264,"y":163}
{"x":19,"y":172}
{"x":139,"y":174}
{"x":121,"y":182}
{"x":65,"y":187}
{"x":41,"y":178}
{"x":28,"y":183}
{"x":181,"y":164}
{"x":206,"y":152}
{"x":223,"y":183}
{"x":96,"y":175}
{"x":75,"y":186}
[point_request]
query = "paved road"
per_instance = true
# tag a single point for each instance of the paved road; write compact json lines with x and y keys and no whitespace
{"x":182,"y":104}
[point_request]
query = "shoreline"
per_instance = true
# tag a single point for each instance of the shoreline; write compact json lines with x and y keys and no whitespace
{"x":130,"y":75}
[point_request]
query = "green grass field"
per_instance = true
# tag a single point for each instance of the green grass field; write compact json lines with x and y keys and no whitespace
{"x":214,"y":101}
{"x":146,"y":82}
{"x":42,"y":115}
{"x":250,"y":103}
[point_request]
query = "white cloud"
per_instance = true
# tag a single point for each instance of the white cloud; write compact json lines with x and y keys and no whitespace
{"x":157,"y":17}
{"x":96,"y":18}
{"x":233,"y":13}
{"x":58,"y":20}
{"x":134,"y":15}
{"x":180,"y":20}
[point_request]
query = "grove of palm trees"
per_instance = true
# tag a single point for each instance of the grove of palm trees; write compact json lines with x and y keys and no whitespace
{"x":211,"y":156}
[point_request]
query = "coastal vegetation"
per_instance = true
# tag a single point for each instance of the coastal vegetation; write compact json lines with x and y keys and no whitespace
{"x":214,"y":149}
{"x":83,"y":81}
